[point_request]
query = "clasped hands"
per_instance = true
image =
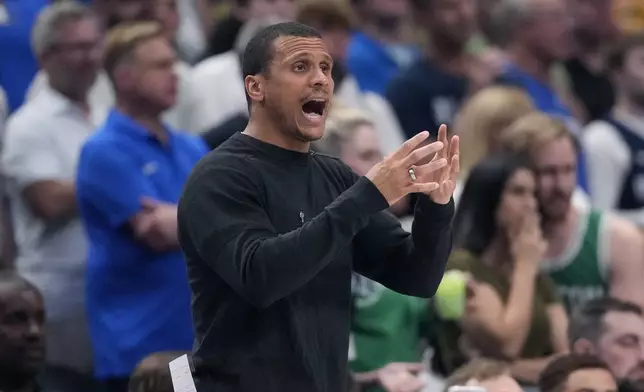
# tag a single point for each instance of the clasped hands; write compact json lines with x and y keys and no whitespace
{"x":404,"y":171}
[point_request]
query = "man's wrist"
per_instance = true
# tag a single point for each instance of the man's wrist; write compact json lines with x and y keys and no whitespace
{"x":426,"y":207}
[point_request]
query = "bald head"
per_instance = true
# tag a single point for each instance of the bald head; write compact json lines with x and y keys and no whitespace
{"x":22,"y":318}
{"x":11,"y":283}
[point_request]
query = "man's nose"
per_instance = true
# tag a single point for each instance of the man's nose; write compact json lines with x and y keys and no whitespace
{"x":530,"y":204}
{"x":319,"y":78}
{"x":34,"y":329}
{"x":641,"y":352}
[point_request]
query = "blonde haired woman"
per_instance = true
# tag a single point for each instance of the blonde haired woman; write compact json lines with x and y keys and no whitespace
{"x":481,"y":120}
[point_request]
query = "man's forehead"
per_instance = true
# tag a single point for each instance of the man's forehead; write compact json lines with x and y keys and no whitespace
{"x":624,"y":322}
{"x":288,"y":46}
{"x":16,"y":293}
{"x":560,"y":151}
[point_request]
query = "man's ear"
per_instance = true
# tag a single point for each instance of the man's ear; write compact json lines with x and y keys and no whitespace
{"x":583,"y":346}
{"x":124,"y":77}
{"x":255,"y":85}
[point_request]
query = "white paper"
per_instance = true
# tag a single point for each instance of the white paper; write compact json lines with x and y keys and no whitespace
{"x":352,"y":349}
{"x":181,"y":375}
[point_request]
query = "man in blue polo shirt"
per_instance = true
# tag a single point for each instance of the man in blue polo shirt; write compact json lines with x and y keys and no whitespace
{"x":130,"y":176}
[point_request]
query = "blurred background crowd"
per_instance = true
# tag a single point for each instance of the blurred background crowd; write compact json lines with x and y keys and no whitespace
{"x":544,"y":287}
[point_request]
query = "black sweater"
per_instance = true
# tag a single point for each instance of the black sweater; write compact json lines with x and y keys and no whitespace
{"x":271,"y":237}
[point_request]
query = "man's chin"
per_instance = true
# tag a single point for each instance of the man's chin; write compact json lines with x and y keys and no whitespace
{"x":551,"y":214}
{"x":310,"y":135}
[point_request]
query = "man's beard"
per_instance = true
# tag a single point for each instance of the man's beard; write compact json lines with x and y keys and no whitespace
{"x":627,"y":385}
{"x":546,"y":208}
{"x":637,"y":98}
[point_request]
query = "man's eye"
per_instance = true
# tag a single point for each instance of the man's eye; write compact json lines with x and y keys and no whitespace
{"x":299,"y":67}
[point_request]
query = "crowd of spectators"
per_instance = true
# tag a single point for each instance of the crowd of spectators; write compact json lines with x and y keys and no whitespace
{"x":106,"y":105}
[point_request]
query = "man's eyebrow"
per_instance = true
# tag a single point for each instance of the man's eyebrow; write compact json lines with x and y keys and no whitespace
{"x":307,"y":56}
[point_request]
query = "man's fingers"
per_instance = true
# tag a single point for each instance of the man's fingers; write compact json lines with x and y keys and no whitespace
{"x":427,"y":169}
{"x":442,"y":137}
{"x":426,"y":187}
{"x":421,"y":153}
{"x":454,"y":167}
{"x":410,"y":145}
{"x":454,"y":146}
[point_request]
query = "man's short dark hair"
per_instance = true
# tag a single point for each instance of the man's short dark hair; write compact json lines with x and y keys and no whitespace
{"x":554,"y":377}
{"x":588,"y":321}
{"x":260,"y":49}
{"x":619,"y":52}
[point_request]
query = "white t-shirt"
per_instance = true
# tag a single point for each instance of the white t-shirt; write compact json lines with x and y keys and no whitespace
{"x":609,"y":160}
{"x":4,"y":112}
{"x":43,"y":140}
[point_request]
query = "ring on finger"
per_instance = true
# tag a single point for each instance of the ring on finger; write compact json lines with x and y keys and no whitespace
{"x":412,"y":174}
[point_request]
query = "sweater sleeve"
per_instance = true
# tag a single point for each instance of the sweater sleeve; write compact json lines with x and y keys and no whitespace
{"x":411,"y":264}
{"x":223,"y":221}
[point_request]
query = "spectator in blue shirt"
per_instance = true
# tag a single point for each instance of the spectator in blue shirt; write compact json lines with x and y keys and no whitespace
{"x":379,"y":51}
{"x":130,"y":176}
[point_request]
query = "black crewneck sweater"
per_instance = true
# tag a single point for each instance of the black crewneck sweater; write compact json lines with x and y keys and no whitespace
{"x":271,"y":237}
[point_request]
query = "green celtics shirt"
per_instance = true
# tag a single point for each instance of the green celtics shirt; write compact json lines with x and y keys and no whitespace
{"x":581,"y":272}
{"x":386,"y":326}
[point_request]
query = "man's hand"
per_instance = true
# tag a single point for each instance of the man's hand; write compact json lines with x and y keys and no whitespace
{"x":157,"y":224}
{"x":401,"y":377}
{"x":447,"y":175}
{"x":399,"y":175}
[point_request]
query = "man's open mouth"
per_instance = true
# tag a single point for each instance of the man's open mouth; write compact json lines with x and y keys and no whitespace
{"x":314,"y":108}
